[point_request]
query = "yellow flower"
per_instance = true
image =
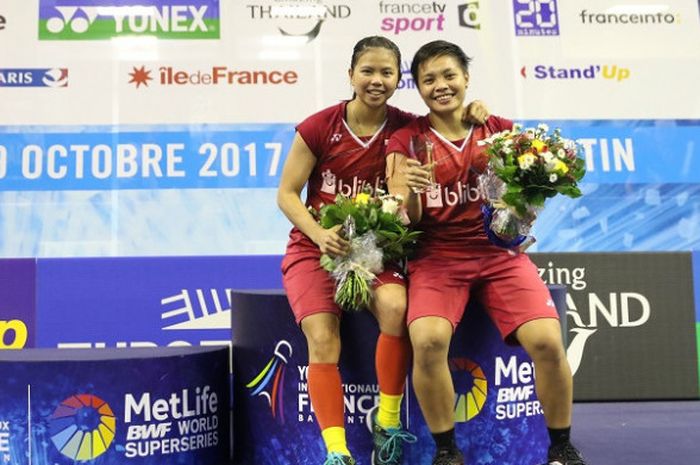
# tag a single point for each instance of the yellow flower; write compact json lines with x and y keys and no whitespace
{"x":538,"y":145}
{"x":525,"y":161}
{"x":560,"y":166}
{"x":362,"y":198}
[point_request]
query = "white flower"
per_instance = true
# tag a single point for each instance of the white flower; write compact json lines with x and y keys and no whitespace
{"x":525,"y":161}
{"x":548,"y":156}
{"x":543,"y":127}
{"x":553,"y":177}
{"x":561,"y":153}
{"x":390,"y":205}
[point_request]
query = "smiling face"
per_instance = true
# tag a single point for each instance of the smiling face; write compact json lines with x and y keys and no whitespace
{"x":374,"y":76}
{"x":442,"y":83}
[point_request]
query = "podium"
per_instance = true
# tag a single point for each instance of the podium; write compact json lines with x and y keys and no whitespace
{"x":150,"y":406}
{"x":499,"y":419}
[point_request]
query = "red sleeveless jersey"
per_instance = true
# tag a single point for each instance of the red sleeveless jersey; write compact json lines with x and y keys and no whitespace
{"x":346,"y":164}
{"x":452,"y":222}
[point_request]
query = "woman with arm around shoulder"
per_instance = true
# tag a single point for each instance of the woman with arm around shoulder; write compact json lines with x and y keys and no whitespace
{"x":341,"y":150}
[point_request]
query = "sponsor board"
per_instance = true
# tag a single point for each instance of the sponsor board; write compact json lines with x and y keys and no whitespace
{"x":498,"y":416}
{"x":17,"y":303}
{"x":115,"y":407}
{"x":631,"y":322}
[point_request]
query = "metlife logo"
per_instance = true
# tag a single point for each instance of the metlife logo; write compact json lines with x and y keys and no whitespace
{"x":536,"y":17}
{"x":105,"y":19}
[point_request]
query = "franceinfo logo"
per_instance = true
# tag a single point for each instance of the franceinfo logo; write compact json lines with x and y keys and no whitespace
{"x":631,"y":16}
{"x":105,"y":19}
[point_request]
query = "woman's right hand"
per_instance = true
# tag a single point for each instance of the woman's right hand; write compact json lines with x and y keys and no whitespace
{"x":418,"y":176}
{"x":330,"y":242}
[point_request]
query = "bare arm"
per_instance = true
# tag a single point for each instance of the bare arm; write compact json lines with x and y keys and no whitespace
{"x":295,"y":174}
{"x":405,"y":176}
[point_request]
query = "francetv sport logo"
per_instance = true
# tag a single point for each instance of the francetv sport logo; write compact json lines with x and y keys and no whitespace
{"x":105,"y":19}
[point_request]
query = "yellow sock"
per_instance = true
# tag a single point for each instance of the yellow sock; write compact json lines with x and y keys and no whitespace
{"x":389,"y":410}
{"x":334,"y":437}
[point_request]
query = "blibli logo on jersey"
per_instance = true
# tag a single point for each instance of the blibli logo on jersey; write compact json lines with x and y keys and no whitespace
{"x":332,"y":185}
{"x":439,"y":197}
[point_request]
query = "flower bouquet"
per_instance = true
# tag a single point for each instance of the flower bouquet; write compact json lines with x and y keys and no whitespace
{"x":376,"y":227}
{"x":525,"y":168}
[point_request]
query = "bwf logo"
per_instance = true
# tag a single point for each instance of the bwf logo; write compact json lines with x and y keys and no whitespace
{"x":199,"y":19}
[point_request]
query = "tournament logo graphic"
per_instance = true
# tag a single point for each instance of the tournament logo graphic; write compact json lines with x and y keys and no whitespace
{"x":105,"y":19}
{"x":33,"y":77}
{"x":299,"y":18}
{"x":471,"y":387}
{"x":82,"y":427}
{"x":536,"y":17}
{"x":269,"y":383}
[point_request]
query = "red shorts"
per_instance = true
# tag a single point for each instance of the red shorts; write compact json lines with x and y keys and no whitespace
{"x":507,"y":286}
{"x":311,"y":289}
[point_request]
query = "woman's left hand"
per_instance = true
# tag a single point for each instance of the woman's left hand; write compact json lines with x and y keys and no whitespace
{"x":475,"y":113}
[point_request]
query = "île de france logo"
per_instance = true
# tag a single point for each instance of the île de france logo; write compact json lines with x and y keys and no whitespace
{"x":82,"y":427}
{"x":471,"y":387}
{"x":269,"y":383}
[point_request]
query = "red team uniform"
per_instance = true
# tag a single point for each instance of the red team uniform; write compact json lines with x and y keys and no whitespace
{"x":346,"y":164}
{"x":455,"y":257}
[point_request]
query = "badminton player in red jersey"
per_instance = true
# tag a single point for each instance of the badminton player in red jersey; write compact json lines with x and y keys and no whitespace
{"x":341,"y":150}
{"x":455,"y":258}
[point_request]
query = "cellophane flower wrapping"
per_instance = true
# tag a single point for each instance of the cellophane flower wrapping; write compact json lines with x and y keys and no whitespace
{"x":525,"y":167}
{"x":377,"y":228}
